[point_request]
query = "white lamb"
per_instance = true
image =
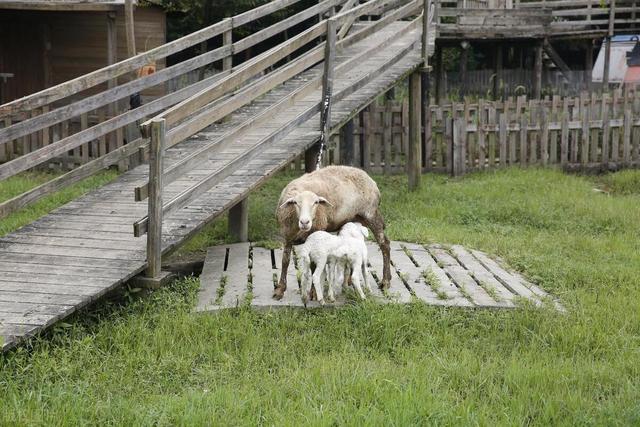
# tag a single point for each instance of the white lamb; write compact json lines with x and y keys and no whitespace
{"x":344,"y":262}
{"x":333,"y":253}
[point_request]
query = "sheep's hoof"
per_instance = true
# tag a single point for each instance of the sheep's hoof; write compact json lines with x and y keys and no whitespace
{"x":331,"y":300}
{"x":321,"y":301}
{"x":278,"y":293}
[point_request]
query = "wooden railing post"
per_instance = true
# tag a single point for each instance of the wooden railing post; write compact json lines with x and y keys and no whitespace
{"x":227,"y":40}
{"x":154,"y":235}
{"x":414,"y":158}
{"x":327,"y":89}
{"x":428,"y":13}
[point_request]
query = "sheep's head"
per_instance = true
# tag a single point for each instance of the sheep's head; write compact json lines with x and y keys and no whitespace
{"x":355,"y":230}
{"x":305,"y":203}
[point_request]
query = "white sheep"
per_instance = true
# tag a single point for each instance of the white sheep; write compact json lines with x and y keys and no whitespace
{"x":325,"y":200}
{"x":332,"y":254}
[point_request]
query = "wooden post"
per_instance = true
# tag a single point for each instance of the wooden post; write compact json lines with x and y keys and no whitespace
{"x":239,"y":221}
{"x":129,"y":28}
{"x":537,"y":84}
{"x":227,"y":40}
{"x":497,"y":82}
{"x":327,"y":88}
{"x":154,"y":234}
{"x":426,"y":84}
{"x":414,"y":155}
{"x":607,"y":47}
{"x":439,"y":74}
{"x":115,"y":138}
{"x":459,"y":146}
{"x":346,"y":144}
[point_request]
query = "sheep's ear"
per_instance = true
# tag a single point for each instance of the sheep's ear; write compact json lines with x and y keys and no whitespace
{"x":323,"y":200}
{"x":289,"y":201}
{"x":364,"y":230}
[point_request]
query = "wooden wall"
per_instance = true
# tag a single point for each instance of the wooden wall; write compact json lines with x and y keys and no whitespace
{"x":78,"y":45}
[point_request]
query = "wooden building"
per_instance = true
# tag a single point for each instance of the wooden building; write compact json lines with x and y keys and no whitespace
{"x":47,"y":42}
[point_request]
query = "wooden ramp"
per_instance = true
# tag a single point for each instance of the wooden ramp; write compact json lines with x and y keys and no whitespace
{"x":244,"y":275}
{"x":84,"y":249}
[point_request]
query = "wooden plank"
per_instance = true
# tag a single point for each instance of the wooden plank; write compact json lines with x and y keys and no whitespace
{"x":483,"y":277}
{"x":544,"y":136}
{"x":626,"y":137}
{"x":461,"y":278}
{"x":40,"y":298}
{"x":262,"y":273}
{"x":412,"y":276}
{"x":584,"y":154}
{"x":397,"y":291}
{"x":508,"y":280}
{"x":564,"y":134}
{"x":439,"y":282}
{"x":35,"y":285}
{"x":503,"y":139}
{"x":211,"y":278}
{"x":48,"y":273}
{"x":482,"y":149}
{"x":237,"y":274}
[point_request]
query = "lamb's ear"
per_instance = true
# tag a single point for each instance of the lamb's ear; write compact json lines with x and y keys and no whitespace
{"x":364,"y":230}
{"x":323,"y":200}
{"x":289,"y":201}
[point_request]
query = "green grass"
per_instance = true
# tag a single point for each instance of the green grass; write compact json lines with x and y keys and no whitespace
{"x":18,"y":184}
{"x":150,"y":361}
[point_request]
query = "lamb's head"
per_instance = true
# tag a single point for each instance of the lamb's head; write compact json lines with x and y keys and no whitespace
{"x":305,"y":203}
{"x":355,"y":230}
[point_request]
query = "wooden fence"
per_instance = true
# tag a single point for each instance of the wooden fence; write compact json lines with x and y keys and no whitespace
{"x":589,"y":132}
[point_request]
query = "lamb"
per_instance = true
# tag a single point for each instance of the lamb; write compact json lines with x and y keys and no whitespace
{"x":344,"y":259}
{"x":325,"y":200}
{"x":331,"y":254}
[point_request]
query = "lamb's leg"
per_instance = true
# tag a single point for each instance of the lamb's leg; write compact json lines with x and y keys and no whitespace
{"x":355,"y":278}
{"x":306,"y":281}
{"x":318,"y":278}
{"x":331,"y":279}
{"x":365,"y":276}
{"x":376,"y":225}
{"x":282,"y":284}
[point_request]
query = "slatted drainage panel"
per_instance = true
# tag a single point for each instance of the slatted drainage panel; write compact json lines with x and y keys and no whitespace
{"x":241,"y":274}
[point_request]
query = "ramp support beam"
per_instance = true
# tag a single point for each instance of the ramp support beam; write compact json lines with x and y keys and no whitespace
{"x":239,"y":221}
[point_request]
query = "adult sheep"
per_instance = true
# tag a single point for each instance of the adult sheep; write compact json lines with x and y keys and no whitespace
{"x":326,"y":199}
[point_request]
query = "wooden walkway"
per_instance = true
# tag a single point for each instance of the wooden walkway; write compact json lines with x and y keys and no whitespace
{"x":82,"y":250}
{"x":242,"y":275}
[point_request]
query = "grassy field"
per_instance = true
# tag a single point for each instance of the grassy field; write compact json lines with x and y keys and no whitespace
{"x":148,"y":360}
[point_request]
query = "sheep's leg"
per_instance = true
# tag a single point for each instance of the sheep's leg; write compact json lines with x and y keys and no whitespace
{"x":355,"y":278}
{"x":318,"y":278}
{"x":282,"y":284}
{"x":376,"y":225}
